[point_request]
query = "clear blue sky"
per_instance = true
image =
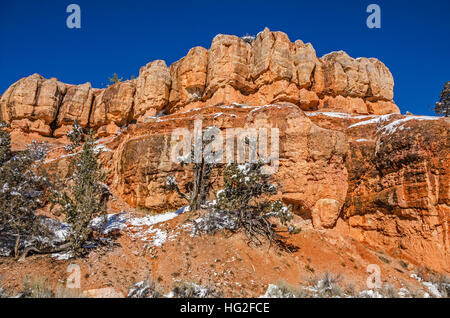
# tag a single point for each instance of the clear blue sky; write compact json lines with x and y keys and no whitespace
{"x":121,"y":36}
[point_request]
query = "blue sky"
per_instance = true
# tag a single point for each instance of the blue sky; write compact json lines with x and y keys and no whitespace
{"x":121,"y":36}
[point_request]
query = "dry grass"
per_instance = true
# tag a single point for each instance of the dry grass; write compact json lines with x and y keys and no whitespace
{"x":39,"y":288}
{"x":187,"y":289}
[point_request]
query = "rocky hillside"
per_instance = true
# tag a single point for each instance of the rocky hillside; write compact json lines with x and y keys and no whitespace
{"x":350,"y":164}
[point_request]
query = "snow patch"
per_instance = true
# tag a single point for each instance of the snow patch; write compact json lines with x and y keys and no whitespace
{"x":371,"y":121}
{"x":370,"y":294}
{"x":62,"y":256}
{"x":143,"y":228}
{"x":397,"y":125}
{"x":337,"y":115}
{"x":110,"y":223}
{"x":155,"y":219}
{"x":432,"y":289}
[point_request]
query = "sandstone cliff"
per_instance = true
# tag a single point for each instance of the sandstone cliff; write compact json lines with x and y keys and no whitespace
{"x":383,"y":180}
{"x":262,"y":71}
{"x":349,"y":162}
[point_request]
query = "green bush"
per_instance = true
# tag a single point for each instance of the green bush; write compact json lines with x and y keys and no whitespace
{"x":86,"y":199}
{"x":23,"y":189}
{"x":245,"y":200}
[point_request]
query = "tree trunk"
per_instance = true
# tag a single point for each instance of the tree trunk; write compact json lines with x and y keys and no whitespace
{"x":60,"y":249}
{"x":16,"y":247}
{"x":198,"y":175}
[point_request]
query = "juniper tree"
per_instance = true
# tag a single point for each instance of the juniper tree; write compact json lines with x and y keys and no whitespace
{"x":5,"y":143}
{"x":203,"y":162}
{"x":75,"y":136}
{"x":443,"y":106}
{"x":86,"y":199}
{"x":245,"y":200}
{"x":22,"y":190}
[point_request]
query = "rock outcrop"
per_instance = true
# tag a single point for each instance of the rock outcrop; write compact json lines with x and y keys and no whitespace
{"x":385,"y":177}
{"x":266,"y":70}
{"x":113,"y":108}
{"x":398,"y":195}
{"x":188,"y":79}
{"x":399,"y":187}
{"x":311,"y":164}
{"x":152,"y":91}
{"x":32,"y":103}
{"x":348,"y":162}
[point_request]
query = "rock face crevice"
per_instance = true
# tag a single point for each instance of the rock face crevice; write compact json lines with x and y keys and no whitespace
{"x":267,"y":70}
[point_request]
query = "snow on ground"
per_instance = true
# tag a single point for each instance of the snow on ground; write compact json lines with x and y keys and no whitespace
{"x":274,"y":291}
{"x":392,"y":127}
{"x":432,"y":288}
{"x":5,"y":251}
{"x":337,"y":115}
{"x":224,"y":114}
{"x":376,"y":120}
{"x":112,"y":222}
{"x":398,"y":124}
{"x":62,"y":256}
{"x":155,"y":219}
{"x":61,"y":157}
{"x":239,"y":106}
{"x":152,"y":237}
{"x":143,"y":228}
{"x":370,"y":293}
{"x":268,"y":106}
{"x":101,"y":148}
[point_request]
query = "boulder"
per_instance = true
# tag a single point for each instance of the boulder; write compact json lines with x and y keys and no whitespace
{"x":188,"y":79}
{"x":325,"y":213}
{"x":305,"y":61}
{"x":76,"y":105}
{"x":113,"y":105}
{"x":33,"y":98}
{"x":152,"y":89}
{"x":228,"y":69}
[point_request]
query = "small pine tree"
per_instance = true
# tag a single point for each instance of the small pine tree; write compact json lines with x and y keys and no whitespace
{"x":5,"y":143}
{"x":245,"y":200}
{"x":87,"y":198}
{"x":443,"y":106}
{"x":75,"y":136}
{"x":22,"y":190}
{"x":115,"y":79}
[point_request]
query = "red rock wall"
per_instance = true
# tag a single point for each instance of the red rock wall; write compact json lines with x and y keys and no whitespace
{"x":268,"y":70}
